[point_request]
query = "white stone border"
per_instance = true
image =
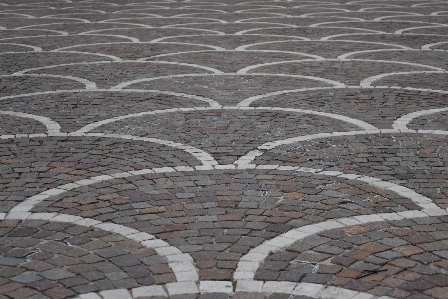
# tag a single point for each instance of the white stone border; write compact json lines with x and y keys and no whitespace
{"x":22,"y":210}
{"x":367,"y":82}
{"x":204,"y":68}
{"x":359,"y":123}
{"x":248,"y":101}
{"x":332,"y":83}
{"x":130,"y":43}
{"x":421,"y":27}
{"x":35,"y":48}
{"x":249,"y":263}
{"x":89,"y":85}
{"x":402,"y":122}
{"x":206,"y":287}
{"x":419,"y":65}
{"x":330,"y":37}
{"x":180,"y":263}
{"x":52,"y":126}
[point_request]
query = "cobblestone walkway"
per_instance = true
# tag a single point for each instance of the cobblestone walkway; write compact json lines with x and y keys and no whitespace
{"x":239,"y":149}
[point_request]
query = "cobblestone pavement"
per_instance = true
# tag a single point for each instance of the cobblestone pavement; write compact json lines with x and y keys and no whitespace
{"x":235,"y":149}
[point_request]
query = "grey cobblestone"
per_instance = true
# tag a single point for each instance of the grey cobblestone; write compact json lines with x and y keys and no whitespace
{"x":188,"y":120}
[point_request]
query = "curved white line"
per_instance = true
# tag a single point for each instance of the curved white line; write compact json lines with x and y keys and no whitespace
{"x":100,"y":123}
{"x":244,"y":47}
{"x":35,"y":48}
{"x":247,"y":159}
{"x":52,"y":126}
{"x":365,"y":34}
{"x":147,"y":17}
{"x":186,"y":24}
{"x":122,"y":85}
{"x":211,"y":102}
{"x":129,"y":43}
{"x":249,"y":263}
{"x":242,"y":32}
{"x":410,"y":14}
{"x":190,"y":44}
{"x":65,"y":18}
{"x":428,"y":3}
{"x":225,"y":287}
{"x":347,"y":55}
{"x":255,"y":256}
{"x":394,"y":62}
{"x":335,"y":84}
{"x":35,"y":27}
{"x":244,"y":71}
{"x":413,"y":28}
{"x":18,"y":14}
{"x":180,"y":53}
{"x":27,"y":205}
{"x":62,"y":15}
{"x":205,"y":158}
{"x":162,"y":39}
{"x":367,"y":82}
{"x":246,"y":102}
{"x":435,"y":132}
{"x":211,"y":51}
{"x":89,"y":85}
{"x":114,"y":58}
{"x":381,"y":7}
{"x":25,"y":37}
{"x":181,"y":26}
{"x":180,"y":263}
{"x":213,"y":70}
{"x":132,"y":39}
{"x":342,"y":41}
{"x":359,"y":123}
{"x":436,"y":13}
{"x":127,"y":23}
{"x":428,"y":46}
{"x":335,"y":22}
{"x":22,"y":72}
{"x":402,"y":122}
{"x":61,"y":33}
{"x":352,"y":28}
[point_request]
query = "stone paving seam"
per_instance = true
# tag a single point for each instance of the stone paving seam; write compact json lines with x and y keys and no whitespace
{"x":207,"y":287}
{"x":367,"y":82}
{"x":52,"y":126}
{"x":89,"y":85}
{"x":402,"y":122}
{"x":132,"y":39}
{"x":373,"y":17}
{"x":428,"y":46}
{"x":412,"y":28}
{"x":114,"y":58}
{"x":180,"y":263}
{"x":346,"y":55}
{"x":214,"y":71}
{"x":353,"y":34}
{"x":246,"y":271}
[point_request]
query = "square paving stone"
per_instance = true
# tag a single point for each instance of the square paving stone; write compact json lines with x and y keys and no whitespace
{"x":56,"y":274}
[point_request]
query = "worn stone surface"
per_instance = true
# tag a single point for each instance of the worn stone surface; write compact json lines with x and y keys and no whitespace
{"x":150,"y":149}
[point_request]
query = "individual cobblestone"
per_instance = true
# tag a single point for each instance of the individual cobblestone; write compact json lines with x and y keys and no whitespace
{"x":373,"y":265}
{"x":62,"y":259}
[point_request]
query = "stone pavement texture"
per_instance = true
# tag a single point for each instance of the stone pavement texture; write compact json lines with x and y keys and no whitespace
{"x":214,"y":149}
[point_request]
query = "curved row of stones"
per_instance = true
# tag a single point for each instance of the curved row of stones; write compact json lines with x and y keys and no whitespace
{"x":258,"y":149}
